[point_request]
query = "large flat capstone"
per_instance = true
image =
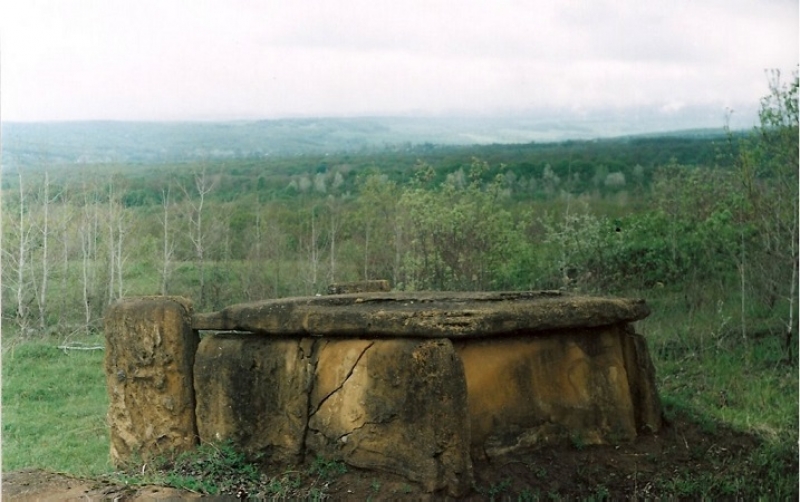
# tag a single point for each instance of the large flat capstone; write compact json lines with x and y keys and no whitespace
{"x":424,"y":314}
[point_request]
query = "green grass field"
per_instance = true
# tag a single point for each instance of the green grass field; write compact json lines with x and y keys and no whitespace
{"x":703,"y":363}
{"x":54,"y":408}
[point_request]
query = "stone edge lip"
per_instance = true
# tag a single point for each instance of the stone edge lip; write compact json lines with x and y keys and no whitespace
{"x":186,"y":303}
{"x":423,"y":314}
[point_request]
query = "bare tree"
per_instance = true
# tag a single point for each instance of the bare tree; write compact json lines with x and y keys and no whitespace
{"x":202,"y":187}
{"x":168,"y":242}
{"x":334,"y":222}
{"x":271,"y":250}
{"x":64,"y":216}
{"x":119,"y":228}
{"x":16,"y":260}
{"x":24,"y":237}
{"x":314,"y":253}
{"x":313,"y":250}
{"x":45,"y":229}
{"x":116,"y":225}
{"x":87,"y":269}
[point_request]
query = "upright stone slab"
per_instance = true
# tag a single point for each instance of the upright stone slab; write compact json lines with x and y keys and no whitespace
{"x":253,"y":390}
{"x":150,"y":348}
{"x":393,"y":405}
{"x":642,"y":381}
{"x":529,"y":390}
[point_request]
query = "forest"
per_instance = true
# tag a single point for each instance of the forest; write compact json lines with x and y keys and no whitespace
{"x":603,"y":216}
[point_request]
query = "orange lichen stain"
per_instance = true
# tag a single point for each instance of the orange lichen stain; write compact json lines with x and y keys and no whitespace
{"x":525,"y":381}
{"x":576,"y":368}
{"x":495,"y":387}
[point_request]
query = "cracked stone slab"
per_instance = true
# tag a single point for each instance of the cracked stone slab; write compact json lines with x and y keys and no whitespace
{"x":396,"y":405}
{"x":424,"y":314}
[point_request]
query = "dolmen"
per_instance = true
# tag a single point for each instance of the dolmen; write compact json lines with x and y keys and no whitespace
{"x":413,"y":383}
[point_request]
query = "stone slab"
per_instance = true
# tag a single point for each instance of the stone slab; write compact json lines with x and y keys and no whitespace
{"x":642,"y":381}
{"x":150,"y":349}
{"x":523,"y":391}
{"x":424,"y":314}
{"x":396,"y":405}
{"x":341,"y":288}
{"x":253,"y":391}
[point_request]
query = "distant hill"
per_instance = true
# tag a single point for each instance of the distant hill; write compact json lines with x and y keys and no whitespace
{"x":66,"y":143}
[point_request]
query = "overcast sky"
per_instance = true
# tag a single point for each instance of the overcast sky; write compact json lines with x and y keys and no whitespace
{"x":251,"y":59}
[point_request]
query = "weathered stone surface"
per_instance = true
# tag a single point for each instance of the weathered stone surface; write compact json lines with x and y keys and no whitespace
{"x":150,"y":348}
{"x":642,"y":382}
{"x":342,"y":288}
{"x":527,"y":390}
{"x":427,"y":315}
{"x":254,"y":391}
{"x":393,"y":405}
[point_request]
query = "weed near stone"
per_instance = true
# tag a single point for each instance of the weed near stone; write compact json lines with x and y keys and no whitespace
{"x":498,"y":488}
{"x":327,"y":469}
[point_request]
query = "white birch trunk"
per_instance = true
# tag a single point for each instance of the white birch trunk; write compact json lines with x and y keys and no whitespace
{"x":22,"y":317}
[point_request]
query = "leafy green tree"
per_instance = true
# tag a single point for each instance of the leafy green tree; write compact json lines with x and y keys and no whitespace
{"x":459,"y":237}
{"x":378,"y":231}
{"x":768,"y":172}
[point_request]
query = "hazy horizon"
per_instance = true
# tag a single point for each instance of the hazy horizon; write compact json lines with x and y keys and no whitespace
{"x":618,"y":122}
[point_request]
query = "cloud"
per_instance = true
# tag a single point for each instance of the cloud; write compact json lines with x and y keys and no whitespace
{"x":250,"y":59}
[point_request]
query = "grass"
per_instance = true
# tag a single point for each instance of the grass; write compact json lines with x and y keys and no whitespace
{"x":703,"y":363}
{"x":211,"y":469}
{"x":757,"y":397}
{"x":327,"y":469}
{"x":497,"y":489}
{"x":766,"y":472}
{"x":54,"y":406}
{"x":222,"y":469}
{"x":707,"y":370}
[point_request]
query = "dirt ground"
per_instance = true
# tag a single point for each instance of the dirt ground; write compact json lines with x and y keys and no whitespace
{"x":650,"y":467}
